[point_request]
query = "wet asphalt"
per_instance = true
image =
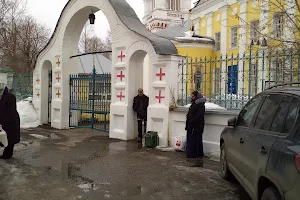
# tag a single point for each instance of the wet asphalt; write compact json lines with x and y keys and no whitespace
{"x":86,"y":164}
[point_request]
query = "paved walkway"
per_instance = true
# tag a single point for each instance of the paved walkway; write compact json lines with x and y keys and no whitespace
{"x":86,"y":164}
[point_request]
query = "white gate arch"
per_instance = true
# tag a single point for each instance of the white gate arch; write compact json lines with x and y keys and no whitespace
{"x":129,"y":36}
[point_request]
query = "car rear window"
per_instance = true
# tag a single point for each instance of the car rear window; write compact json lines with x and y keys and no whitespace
{"x":267,"y":112}
{"x":281,"y":114}
{"x":292,"y":115}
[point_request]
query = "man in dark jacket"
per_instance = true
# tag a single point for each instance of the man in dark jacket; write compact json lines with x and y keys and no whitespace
{"x":195,"y":127}
{"x":140,"y":106}
{"x":10,"y":120}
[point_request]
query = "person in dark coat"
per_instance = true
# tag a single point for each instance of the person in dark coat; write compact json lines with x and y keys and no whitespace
{"x":10,"y":120}
{"x":140,"y":106}
{"x":194,"y":128}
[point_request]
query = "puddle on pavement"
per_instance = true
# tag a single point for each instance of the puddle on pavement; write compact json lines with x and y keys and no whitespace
{"x":54,"y":136}
{"x":125,"y":146}
{"x":134,"y":191}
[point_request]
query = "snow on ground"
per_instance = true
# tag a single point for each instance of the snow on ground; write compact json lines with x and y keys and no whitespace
{"x":210,"y":106}
{"x":28,"y":116}
{"x":39,"y":136}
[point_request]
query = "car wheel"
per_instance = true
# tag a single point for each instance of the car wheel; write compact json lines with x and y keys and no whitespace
{"x":271,"y":193}
{"x":225,"y":172}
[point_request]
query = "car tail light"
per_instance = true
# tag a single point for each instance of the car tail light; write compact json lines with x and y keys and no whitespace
{"x":297,"y":161}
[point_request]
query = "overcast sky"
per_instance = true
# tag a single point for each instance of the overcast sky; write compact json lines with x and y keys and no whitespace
{"x":48,"y":12}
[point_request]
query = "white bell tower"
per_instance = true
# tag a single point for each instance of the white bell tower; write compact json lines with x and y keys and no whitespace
{"x":159,"y":14}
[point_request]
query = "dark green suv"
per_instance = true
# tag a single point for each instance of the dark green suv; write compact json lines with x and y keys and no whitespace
{"x":261,"y":147}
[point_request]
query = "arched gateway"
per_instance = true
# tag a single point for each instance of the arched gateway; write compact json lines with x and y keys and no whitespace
{"x":131,"y":41}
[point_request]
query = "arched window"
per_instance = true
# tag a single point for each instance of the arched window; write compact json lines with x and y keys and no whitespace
{"x":173,"y":4}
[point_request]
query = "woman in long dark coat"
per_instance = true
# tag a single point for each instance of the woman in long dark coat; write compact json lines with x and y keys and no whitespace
{"x":10,"y":120}
{"x":195,"y":127}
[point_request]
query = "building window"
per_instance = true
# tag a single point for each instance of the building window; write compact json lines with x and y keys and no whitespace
{"x":254,"y":27}
{"x":153,"y":4}
{"x":218,"y":41}
{"x":234,"y":36}
{"x":173,"y":4}
{"x":278,"y":24}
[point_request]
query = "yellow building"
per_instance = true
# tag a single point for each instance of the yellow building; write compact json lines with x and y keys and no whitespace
{"x":246,"y":31}
{"x":234,"y":44}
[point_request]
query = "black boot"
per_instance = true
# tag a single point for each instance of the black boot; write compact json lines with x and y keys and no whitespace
{"x":8,"y":152}
{"x":5,"y":157}
{"x":198,"y":163}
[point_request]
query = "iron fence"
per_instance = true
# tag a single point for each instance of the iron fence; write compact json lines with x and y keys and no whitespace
{"x":90,"y":98}
{"x":231,"y":80}
{"x":22,"y":86}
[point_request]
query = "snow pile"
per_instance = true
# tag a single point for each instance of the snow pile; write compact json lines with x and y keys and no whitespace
{"x":210,"y":106}
{"x":166,"y":149}
{"x":28,"y":115}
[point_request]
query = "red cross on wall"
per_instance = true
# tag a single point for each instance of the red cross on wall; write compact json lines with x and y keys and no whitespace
{"x":160,"y":74}
{"x":58,"y":62}
{"x":58,"y":94}
{"x":121,"y":56}
{"x":121,"y":76}
{"x":159,"y":97}
{"x":58,"y":78}
{"x":38,"y":95}
{"x":121,"y":96}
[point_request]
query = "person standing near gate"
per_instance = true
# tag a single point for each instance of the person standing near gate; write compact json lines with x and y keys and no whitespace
{"x":9,"y":120}
{"x":194,"y":127}
{"x":140,"y":106}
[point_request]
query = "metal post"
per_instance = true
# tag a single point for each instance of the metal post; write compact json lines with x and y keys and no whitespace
{"x":291,"y":66}
{"x":226,"y":78}
{"x":263,"y":71}
{"x":298,"y":64}
{"x":249,"y":73}
{"x":256,"y":72}
{"x":93,"y":100}
{"x":283,"y":66}
{"x":276,"y":72}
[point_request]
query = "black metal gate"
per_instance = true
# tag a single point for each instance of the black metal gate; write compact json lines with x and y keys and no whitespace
{"x":90,"y":98}
{"x":49,"y":95}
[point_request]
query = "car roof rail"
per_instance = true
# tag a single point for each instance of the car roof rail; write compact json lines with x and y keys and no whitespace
{"x":283,"y":84}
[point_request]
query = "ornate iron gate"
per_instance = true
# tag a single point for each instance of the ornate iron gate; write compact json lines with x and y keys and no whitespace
{"x":90,"y":98}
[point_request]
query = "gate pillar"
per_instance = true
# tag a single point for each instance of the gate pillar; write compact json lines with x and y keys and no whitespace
{"x":163,"y":93}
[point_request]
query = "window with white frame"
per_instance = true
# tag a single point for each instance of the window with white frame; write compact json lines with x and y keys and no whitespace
{"x":218,"y":41}
{"x":254,"y":34}
{"x":278,"y":24}
{"x":234,"y":37}
{"x":173,"y":4}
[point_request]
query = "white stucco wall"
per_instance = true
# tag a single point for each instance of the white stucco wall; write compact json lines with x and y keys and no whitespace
{"x":128,"y":52}
{"x":215,"y":122}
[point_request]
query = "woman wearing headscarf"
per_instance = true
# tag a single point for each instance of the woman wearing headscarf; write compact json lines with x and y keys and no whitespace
{"x":10,"y":120}
{"x":194,"y":128}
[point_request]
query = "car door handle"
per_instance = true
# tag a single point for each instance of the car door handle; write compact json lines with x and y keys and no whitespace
{"x":241,"y":141}
{"x":263,"y":151}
